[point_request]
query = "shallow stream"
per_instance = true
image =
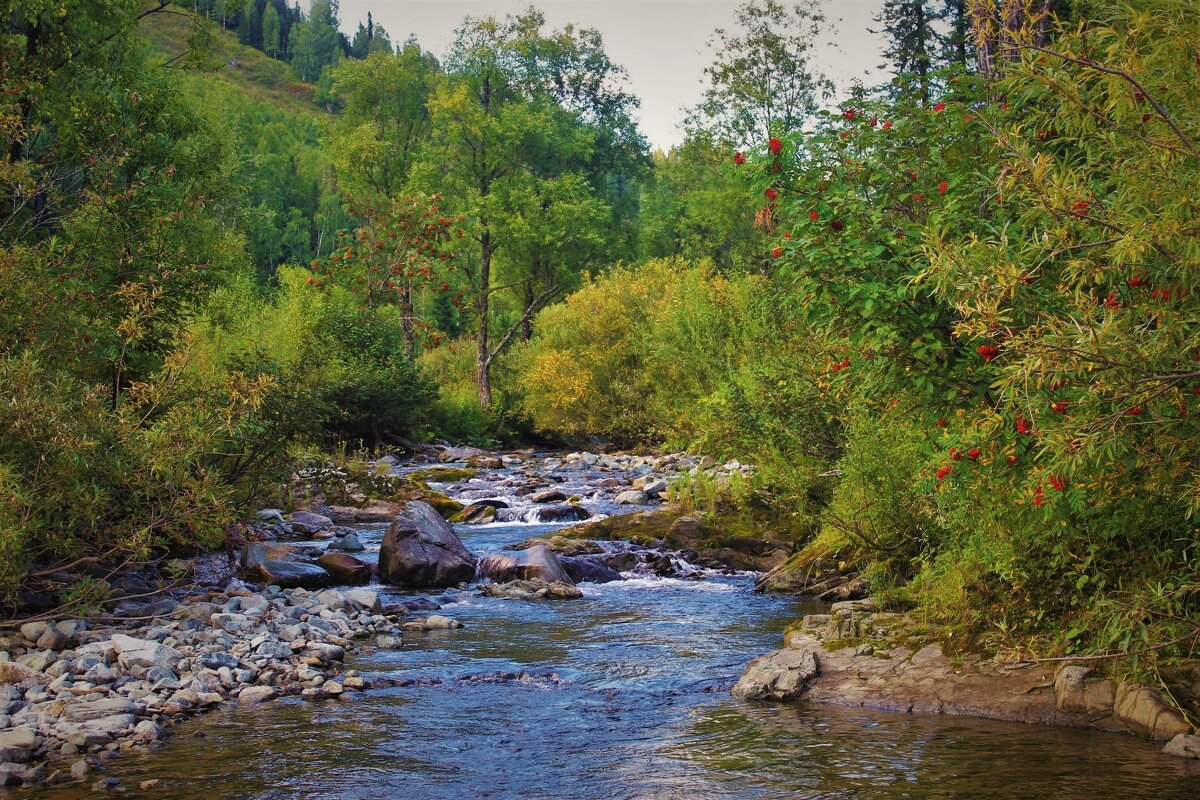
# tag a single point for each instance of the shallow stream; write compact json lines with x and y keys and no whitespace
{"x":626,"y":695}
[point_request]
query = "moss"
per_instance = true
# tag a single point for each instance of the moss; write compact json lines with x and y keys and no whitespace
{"x":730,"y":536}
{"x":444,"y":474}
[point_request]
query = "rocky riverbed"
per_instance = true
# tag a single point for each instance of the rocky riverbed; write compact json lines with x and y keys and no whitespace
{"x":77,"y":692}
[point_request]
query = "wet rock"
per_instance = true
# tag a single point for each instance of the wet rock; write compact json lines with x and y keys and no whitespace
{"x":252,"y":695}
{"x":350,"y":543}
{"x":345,"y":570}
{"x":1183,"y":745}
{"x":377,"y":511}
{"x":1143,"y":711}
{"x":421,"y":549}
{"x":434,"y":623}
{"x":255,"y":553}
{"x":531,"y":590}
{"x":485,"y":462}
{"x":782,"y":675}
{"x":475,"y":514}
{"x":560,"y":513}
{"x":537,"y":563}
{"x":364,"y":599}
{"x":548,"y":496}
{"x":562,"y":546}
{"x":686,"y":527}
{"x":632,"y":497}
{"x":588,"y":570}
{"x":289,"y":574}
{"x":1075,"y":692}
{"x":308,"y":522}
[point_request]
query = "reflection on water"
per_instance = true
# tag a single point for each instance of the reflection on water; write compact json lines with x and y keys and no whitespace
{"x":640,"y":710}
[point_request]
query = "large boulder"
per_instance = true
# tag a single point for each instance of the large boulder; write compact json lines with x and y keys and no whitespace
{"x":308,"y":522}
{"x":1143,"y":711}
{"x":421,"y":549}
{"x":782,"y":675}
{"x":475,"y":514}
{"x":289,"y":575}
{"x":588,"y":570}
{"x":255,"y":553}
{"x":1183,"y":745}
{"x":561,"y":513}
{"x":346,"y":570}
{"x":538,"y":563}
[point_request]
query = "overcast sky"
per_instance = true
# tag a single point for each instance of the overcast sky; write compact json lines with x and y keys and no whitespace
{"x":662,"y":43}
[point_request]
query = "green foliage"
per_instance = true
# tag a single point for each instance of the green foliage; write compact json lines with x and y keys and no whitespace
{"x":668,"y":351}
{"x":340,"y":365}
{"x":1009,"y":274}
{"x":762,"y":80}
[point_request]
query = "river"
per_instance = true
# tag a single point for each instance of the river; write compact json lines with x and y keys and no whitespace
{"x":625,"y":695}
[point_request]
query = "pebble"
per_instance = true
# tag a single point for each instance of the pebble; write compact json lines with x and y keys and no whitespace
{"x":120,"y":690}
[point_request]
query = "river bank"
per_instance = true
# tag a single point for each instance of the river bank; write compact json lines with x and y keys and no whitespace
{"x":856,"y":656}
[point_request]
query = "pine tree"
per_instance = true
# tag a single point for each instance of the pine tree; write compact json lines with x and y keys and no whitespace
{"x":955,"y":45}
{"x":250,"y":25}
{"x":316,"y":41}
{"x":272,"y":33}
{"x":911,"y":43}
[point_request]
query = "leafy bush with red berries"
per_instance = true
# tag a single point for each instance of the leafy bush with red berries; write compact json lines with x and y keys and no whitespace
{"x":1010,"y":275}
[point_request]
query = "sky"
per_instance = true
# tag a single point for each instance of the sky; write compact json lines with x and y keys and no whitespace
{"x":663,"y":44}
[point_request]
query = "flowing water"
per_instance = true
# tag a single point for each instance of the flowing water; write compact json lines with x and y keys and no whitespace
{"x":623,"y":694}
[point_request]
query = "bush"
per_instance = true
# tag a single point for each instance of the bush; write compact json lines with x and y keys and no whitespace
{"x":346,"y":359}
{"x":1010,"y":273}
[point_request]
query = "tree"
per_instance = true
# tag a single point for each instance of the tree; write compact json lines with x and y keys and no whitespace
{"x":762,"y":80}
{"x":272,"y":33}
{"x":999,"y":26}
{"x":385,"y":118}
{"x":315,"y":41}
{"x":694,"y":206}
{"x":250,"y":25}
{"x":400,"y":242}
{"x":369,"y":39}
{"x":511,"y":145}
{"x":911,"y":42}
{"x":955,"y":45}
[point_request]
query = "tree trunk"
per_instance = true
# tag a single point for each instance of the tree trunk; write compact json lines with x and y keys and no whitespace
{"x":527,"y":320}
{"x":407,"y":321}
{"x":483,"y":359}
{"x":1000,"y":25}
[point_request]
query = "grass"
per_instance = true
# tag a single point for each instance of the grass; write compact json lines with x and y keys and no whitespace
{"x":263,"y":78}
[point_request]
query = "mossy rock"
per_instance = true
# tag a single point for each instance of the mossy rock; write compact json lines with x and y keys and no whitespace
{"x":444,"y":474}
{"x":476,"y":514}
{"x":725,"y":538}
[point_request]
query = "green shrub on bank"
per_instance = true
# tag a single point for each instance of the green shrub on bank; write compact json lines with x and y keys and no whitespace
{"x":345,"y":358}
{"x":670,"y":351}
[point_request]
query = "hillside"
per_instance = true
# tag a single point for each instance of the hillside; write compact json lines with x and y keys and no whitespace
{"x":261,"y":77}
